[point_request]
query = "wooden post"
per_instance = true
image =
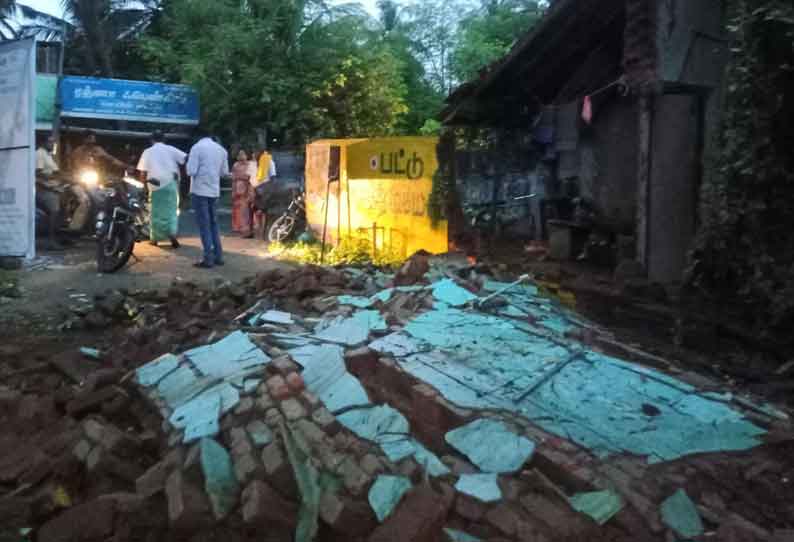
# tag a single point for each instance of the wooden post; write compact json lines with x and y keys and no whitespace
{"x":374,"y":240}
{"x":644,"y":177}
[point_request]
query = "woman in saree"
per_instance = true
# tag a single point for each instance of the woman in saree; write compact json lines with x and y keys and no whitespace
{"x":242,"y":195}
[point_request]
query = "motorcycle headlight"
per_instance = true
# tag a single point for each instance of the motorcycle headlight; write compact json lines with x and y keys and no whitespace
{"x":89,"y":177}
{"x":99,"y":225}
{"x":133,"y":182}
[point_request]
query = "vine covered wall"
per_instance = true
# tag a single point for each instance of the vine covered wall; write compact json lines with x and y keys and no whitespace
{"x":744,"y":252}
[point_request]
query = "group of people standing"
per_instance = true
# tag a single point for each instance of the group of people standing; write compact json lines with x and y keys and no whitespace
{"x":206,"y":164}
{"x":160,"y":167}
{"x":249,"y":173}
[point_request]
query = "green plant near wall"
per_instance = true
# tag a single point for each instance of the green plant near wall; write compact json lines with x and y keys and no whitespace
{"x":744,"y":251}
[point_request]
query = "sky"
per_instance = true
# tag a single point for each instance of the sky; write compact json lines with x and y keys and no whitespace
{"x":53,"y":7}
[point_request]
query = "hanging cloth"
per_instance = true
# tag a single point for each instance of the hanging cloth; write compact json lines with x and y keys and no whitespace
{"x":587,"y":110}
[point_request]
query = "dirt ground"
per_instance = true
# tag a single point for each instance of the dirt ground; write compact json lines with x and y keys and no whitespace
{"x":55,"y":281}
{"x":52,"y":394}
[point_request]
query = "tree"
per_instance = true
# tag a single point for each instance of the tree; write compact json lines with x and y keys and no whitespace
{"x":103,"y":33}
{"x":422,"y":99}
{"x":487,"y":34}
{"x":362,"y":98}
{"x":432,"y":28}
{"x":294,"y":69}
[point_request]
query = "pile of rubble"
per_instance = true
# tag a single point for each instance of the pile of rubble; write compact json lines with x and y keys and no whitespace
{"x":349,"y":404}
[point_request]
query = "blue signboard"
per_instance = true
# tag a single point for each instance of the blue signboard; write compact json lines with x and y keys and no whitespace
{"x":92,"y":98}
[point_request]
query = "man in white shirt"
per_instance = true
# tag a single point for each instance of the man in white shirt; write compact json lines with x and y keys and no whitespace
{"x":160,"y":163}
{"x":208,"y":162}
{"x":48,"y":191}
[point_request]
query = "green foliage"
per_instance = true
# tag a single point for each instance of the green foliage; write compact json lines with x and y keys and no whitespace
{"x":297,"y":69}
{"x":745,"y":247}
{"x":431,"y":26}
{"x":349,"y":251}
{"x":487,"y":34}
{"x":363,"y":97}
{"x":430,"y":127}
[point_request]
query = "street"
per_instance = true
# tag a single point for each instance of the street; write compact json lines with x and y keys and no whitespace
{"x":58,"y":278}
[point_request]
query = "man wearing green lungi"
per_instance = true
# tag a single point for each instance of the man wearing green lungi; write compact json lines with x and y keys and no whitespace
{"x":161,"y":162}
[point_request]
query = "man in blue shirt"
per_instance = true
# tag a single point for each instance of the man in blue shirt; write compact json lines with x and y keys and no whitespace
{"x":208,"y":162}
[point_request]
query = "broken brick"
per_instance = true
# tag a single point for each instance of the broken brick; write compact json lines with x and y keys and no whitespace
{"x":293,"y":410}
{"x":420,"y":517}
{"x":264,"y":402}
{"x":188,"y":506}
{"x":278,"y":388}
{"x":362,"y":362}
{"x":102,"y":377}
{"x":470,"y":508}
{"x":310,"y":431}
{"x":15,"y":512}
{"x":345,"y":515}
{"x":245,"y":405}
{"x":505,"y":517}
{"x":153,"y":480}
{"x":246,"y":467}
{"x":329,"y":457}
{"x":326,"y":421}
{"x":239,"y":442}
{"x":283,"y":365}
{"x":278,"y":469}
{"x":356,"y":480}
{"x":90,"y":521}
{"x":458,"y":466}
{"x":81,"y":450}
{"x":295,"y":382}
{"x":273,"y":418}
{"x":556,"y":515}
{"x":90,"y":401}
{"x":101,"y":461}
{"x":371,"y":464}
{"x":310,"y":400}
{"x":262,"y":506}
{"x":112,"y":438}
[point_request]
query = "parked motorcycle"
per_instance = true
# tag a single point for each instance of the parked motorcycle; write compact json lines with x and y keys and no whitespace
{"x":89,"y":181}
{"x":123,"y":222}
{"x":293,"y":220}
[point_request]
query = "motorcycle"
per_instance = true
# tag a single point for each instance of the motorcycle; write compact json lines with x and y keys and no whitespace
{"x":88,"y":181}
{"x":123,"y":222}
{"x":290,"y":222}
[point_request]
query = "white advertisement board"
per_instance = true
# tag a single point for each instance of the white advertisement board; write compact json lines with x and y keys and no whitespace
{"x":17,"y":148}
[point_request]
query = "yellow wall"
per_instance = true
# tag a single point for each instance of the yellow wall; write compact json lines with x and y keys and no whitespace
{"x":388,"y":182}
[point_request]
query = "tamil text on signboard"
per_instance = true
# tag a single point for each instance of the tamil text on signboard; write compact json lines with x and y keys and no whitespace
{"x":88,"y":97}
